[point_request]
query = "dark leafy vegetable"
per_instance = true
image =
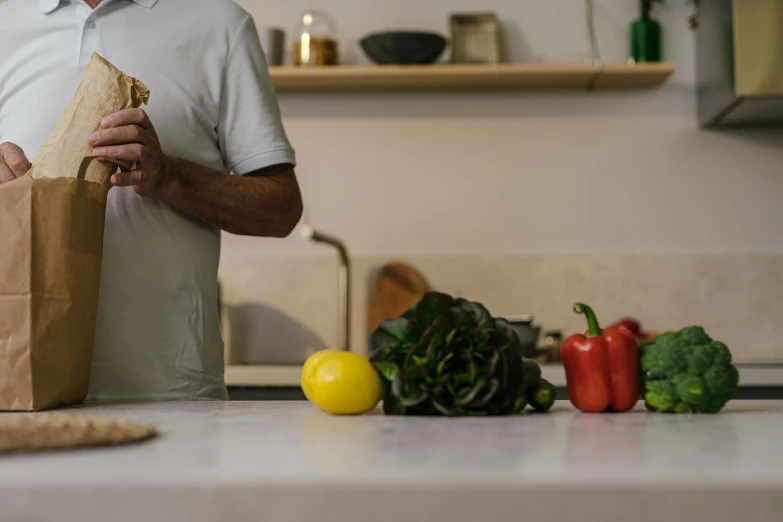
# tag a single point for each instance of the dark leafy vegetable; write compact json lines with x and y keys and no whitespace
{"x":540,"y":393}
{"x":448,"y":356}
{"x":532,"y":373}
{"x":522,"y":401}
{"x":543,"y":397}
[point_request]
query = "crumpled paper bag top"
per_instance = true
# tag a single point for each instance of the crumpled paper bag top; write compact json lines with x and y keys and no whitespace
{"x":103,"y":90}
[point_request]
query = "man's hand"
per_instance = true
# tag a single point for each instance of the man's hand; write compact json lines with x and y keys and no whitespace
{"x":13,"y":162}
{"x":266,"y":202}
{"x":130,"y":137}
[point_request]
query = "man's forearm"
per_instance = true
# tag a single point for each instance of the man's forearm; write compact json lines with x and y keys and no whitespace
{"x":262,"y":203}
{"x":266,"y":202}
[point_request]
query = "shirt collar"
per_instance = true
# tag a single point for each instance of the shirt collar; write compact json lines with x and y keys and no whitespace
{"x":47,"y":6}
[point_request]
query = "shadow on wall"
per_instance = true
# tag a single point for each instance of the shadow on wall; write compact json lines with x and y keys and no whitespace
{"x":261,"y":334}
{"x":515,"y":46}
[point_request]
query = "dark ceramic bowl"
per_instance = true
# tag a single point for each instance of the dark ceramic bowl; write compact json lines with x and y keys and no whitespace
{"x":403,"y":48}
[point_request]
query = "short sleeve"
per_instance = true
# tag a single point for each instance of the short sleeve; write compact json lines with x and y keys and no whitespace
{"x":250,"y":131}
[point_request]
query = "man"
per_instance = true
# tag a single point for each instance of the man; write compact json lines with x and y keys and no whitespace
{"x":212,"y":111}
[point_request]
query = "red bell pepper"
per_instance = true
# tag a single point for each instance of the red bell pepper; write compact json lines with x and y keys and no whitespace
{"x":632,"y":324}
{"x":602,"y":367}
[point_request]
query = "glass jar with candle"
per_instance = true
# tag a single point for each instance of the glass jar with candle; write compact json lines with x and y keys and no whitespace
{"x":317,"y":41}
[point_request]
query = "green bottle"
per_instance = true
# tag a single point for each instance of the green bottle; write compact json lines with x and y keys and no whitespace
{"x":646,"y":37}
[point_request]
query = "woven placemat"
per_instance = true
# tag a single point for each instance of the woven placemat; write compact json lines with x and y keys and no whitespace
{"x":57,"y":431}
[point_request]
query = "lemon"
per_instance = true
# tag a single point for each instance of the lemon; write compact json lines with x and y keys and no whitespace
{"x":341,"y":383}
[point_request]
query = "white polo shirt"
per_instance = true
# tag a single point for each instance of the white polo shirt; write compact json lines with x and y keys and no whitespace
{"x":211,"y":102}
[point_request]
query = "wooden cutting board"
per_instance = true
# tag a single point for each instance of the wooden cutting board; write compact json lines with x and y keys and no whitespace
{"x":396,"y":287}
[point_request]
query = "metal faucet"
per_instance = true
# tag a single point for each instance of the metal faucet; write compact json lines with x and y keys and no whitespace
{"x":343,"y":283}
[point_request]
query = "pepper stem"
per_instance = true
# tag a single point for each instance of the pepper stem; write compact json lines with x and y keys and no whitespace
{"x":592,"y":322}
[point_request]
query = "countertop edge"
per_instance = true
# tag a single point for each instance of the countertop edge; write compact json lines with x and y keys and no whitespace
{"x":289,"y":375}
{"x":357,"y":504}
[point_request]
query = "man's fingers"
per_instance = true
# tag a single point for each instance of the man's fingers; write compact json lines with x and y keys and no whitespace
{"x":130,"y":153}
{"x":127,"y":117}
{"x":128,"y":179}
{"x":119,"y":136}
{"x":6,"y":174}
{"x":14,"y":159}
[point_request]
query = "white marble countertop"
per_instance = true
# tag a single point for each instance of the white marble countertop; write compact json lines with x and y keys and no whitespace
{"x":288,"y":461}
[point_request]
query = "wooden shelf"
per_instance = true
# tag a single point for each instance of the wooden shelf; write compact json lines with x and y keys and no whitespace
{"x":470,"y":77}
{"x":642,"y":76}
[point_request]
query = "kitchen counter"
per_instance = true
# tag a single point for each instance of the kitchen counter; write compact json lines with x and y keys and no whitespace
{"x":288,"y":461}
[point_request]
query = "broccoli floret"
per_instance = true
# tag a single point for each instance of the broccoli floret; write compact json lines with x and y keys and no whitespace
{"x":694,"y":335}
{"x":658,"y":401}
{"x":703,"y":357}
{"x":721,"y":381}
{"x":667,"y":337}
{"x":700,"y":358}
{"x":661,"y":388}
{"x":661,"y":395}
{"x":690,"y":389}
{"x":722,"y":354}
{"x":687,"y":371}
{"x":665,"y":357}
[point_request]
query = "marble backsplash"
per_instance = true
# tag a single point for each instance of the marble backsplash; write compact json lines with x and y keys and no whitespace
{"x":279,"y":309}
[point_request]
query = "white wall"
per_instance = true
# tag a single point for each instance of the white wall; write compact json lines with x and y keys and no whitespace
{"x":484,"y":191}
{"x":525,"y":172}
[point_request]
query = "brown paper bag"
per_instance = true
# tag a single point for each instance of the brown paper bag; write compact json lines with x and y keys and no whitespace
{"x":103,"y":89}
{"x":51,"y":231}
